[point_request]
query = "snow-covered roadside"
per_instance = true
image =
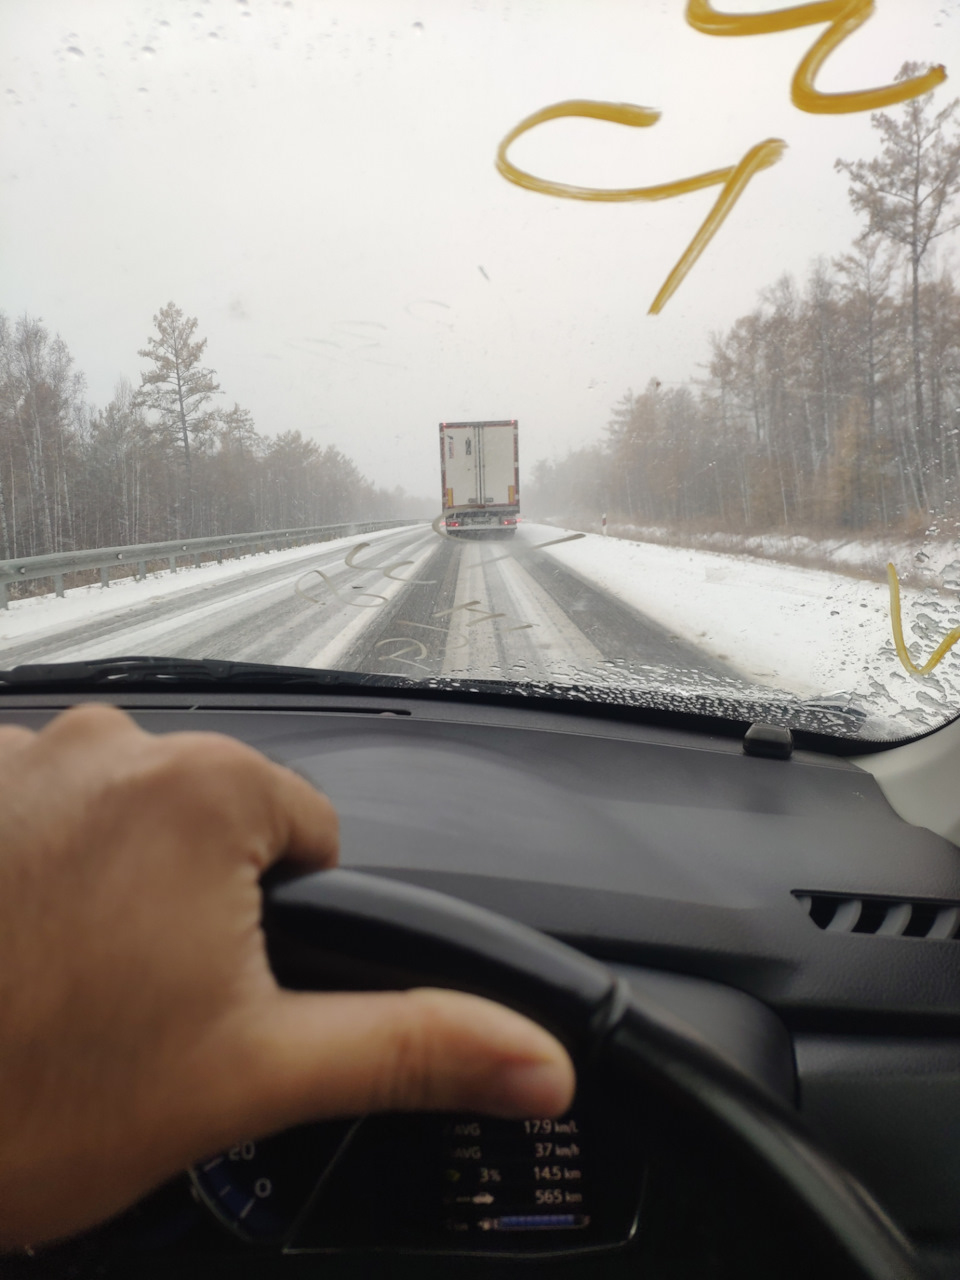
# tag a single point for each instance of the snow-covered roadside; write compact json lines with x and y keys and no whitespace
{"x":42,"y":616}
{"x":932,"y":561}
{"x":808,"y":631}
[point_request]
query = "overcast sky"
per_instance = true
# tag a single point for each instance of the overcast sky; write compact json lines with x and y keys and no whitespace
{"x":315,"y":182}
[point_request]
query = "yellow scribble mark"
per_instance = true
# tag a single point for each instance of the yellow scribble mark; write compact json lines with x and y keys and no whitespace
{"x":844,"y":17}
{"x":732,"y":179}
{"x":942,"y":649}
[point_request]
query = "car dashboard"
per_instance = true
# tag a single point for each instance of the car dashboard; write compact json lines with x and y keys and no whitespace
{"x":778,"y":908}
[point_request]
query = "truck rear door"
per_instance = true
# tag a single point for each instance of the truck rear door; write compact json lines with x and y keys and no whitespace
{"x":497,"y":464}
{"x":460,"y":471}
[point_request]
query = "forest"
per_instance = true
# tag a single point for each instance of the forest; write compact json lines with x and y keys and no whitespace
{"x":161,"y":461}
{"x":834,"y":405}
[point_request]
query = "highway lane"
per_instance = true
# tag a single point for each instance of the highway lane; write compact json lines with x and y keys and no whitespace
{"x":413,"y":603}
{"x":505,"y":610}
{"x":258,"y":614}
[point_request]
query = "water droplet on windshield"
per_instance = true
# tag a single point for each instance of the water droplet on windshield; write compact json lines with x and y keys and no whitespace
{"x":149,"y":51}
{"x":75,"y":52}
{"x":418,"y":28}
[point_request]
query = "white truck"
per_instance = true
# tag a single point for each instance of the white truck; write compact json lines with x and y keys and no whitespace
{"x":480,"y":475}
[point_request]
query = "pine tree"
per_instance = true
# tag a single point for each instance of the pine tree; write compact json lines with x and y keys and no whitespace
{"x":178,"y":389}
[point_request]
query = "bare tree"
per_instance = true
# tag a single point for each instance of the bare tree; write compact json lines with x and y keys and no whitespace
{"x":907,"y":193}
{"x":870,"y":335}
{"x":39,"y":393}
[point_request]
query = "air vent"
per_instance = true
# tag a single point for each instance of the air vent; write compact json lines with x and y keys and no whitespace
{"x":886,"y":917}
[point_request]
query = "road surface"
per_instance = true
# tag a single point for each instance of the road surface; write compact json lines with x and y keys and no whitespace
{"x":414,"y":603}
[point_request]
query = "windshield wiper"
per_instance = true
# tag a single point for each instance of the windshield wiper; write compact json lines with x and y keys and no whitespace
{"x":181,"y":673}
{"x":139,"y":670}
{"x":832,"y":715}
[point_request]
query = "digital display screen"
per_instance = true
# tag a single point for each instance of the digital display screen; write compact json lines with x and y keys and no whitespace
{"x":513,"y":1176}
{"x":476,"y":1184}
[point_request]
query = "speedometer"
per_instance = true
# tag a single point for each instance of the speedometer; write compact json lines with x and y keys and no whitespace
{"x":261,"y":1189}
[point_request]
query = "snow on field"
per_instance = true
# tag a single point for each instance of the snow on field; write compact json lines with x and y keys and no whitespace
{"x":45,"y":615}
{"x":809,"y":631}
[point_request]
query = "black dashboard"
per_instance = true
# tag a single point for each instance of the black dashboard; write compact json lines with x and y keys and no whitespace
{"x":716,"y":882}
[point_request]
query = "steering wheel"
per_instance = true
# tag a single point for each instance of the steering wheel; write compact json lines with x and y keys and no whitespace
{"x":363,"y":930}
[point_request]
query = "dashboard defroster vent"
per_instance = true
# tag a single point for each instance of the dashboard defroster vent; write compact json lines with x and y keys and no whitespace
{"x":885,"y":917}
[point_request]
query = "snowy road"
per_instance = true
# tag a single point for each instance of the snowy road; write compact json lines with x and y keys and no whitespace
{"x":410,"y":603}
{"x":549,"y":605}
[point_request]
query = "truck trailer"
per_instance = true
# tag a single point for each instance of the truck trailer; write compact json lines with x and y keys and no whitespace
{"x":479,"y":467}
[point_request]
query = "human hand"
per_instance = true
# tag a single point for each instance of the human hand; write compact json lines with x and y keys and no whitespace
{"x":140,"y":1025}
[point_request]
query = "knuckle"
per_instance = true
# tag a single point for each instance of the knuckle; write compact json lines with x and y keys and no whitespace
{"x":89,"y":719}
{"x":324,"y":803}
{"x":14,"y":736}
{"x":210,"y":776}
{"x":200,"y":757}
{"x":182,"y":766}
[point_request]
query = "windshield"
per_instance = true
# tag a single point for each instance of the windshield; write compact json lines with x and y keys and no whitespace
{"x":601,"y":350}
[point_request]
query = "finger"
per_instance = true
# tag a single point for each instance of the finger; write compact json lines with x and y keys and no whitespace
{"x":293,"y":818}
{"x":345,"y":1054}
{"x":278,"y":813}
{"x":308,"y":826}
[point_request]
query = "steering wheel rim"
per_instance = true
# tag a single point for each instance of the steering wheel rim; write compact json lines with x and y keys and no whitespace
{"x":358,"y":929}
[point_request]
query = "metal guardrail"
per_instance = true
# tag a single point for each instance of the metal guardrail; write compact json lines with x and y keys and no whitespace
{"x":106,"y":558}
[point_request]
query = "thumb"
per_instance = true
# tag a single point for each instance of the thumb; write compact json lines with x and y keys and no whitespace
{"x":321,"y":1055}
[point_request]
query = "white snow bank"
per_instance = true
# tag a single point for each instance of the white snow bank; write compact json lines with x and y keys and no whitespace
{"x":811,"y":632}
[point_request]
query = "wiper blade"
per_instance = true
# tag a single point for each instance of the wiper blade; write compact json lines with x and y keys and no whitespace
{"x":171,"y":672}
{"x":139,"y":670}
{"x":835,"y":715}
